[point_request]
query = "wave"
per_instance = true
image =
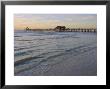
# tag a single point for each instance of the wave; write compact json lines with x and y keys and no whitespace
{"x":50,"y":60}
{"x":47,"y":49}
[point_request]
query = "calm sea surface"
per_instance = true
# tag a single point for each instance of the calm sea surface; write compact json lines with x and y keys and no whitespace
{"x":42,"y":48}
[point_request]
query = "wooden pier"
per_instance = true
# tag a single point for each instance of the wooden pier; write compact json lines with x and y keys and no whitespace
{"x":64,"y":29}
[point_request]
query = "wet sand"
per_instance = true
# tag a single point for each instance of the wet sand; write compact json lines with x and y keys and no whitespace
{"x":84,"y":64}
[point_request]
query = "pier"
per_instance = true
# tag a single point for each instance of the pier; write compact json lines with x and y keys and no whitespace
{"x":64,"y":29}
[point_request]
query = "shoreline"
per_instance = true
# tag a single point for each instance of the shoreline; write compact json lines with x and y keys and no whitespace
{"x":84,"y":64}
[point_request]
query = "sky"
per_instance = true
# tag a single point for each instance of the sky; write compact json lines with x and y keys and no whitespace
{"x":48,"y":21}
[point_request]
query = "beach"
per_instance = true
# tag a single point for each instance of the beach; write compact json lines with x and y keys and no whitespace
{"x":55,"y":53}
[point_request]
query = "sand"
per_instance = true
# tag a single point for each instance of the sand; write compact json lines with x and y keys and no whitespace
{"x":84,"y":64}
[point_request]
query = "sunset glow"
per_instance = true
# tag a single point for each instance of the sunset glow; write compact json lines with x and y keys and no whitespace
{"x":46,"y":21}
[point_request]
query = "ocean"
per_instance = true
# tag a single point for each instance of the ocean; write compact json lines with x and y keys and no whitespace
{"x":36,"y":52}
